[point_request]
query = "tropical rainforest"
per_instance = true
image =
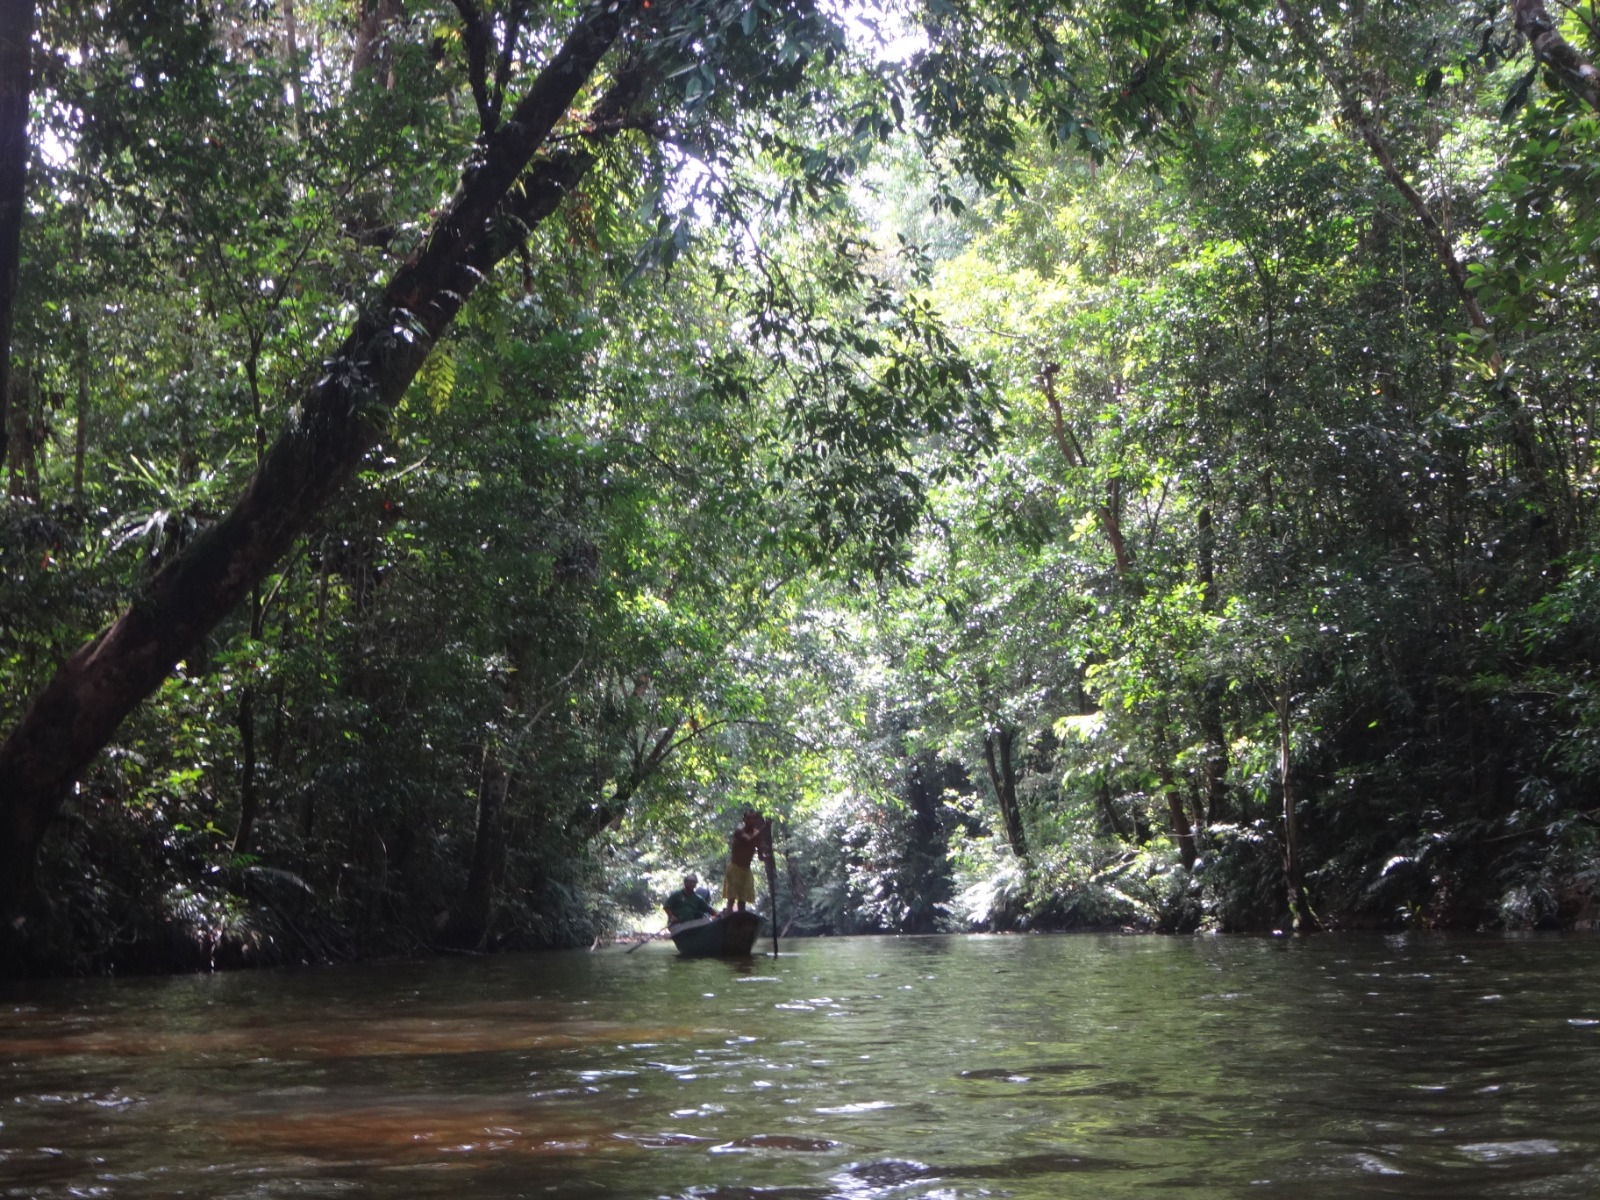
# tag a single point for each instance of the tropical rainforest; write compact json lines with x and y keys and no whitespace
{"x":1117,"y":464}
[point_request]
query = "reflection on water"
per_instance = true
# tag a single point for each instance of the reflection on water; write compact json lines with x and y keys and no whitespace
{"x":865,"y":1069}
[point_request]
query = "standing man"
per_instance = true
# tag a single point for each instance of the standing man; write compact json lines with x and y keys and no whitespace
{"x":688,"y":904}
{"x":739,"y":885}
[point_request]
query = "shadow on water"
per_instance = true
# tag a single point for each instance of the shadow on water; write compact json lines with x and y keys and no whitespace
{"x":418,"y":1132}
{"x":374,"y":1039}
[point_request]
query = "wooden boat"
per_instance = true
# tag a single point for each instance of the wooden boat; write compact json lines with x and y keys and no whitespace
{"x":717,"y":937}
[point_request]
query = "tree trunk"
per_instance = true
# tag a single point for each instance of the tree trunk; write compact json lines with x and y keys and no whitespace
{"x":927,"y":853}
{"x":291,"y":55}
{"x":468,"y":925}
{"x":29,"y":435}
{"x":13,"y":434}
{"x":80,"y":434}
{"x":16,"y":83}
{"x":1110,"y":822}
{"x":1181,"y":829}
{"x":337,"y":421}
{"x":1294,"y":870}
{"x":997,"y":746}
{"x":247,"y":780}
{"x":1214,"y":771}
{"x":372,"y":40}
{"x":319,"y":634}
{"x":247,"y":736}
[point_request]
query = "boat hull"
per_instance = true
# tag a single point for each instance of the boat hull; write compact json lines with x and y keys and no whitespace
{"x":731,"y":936}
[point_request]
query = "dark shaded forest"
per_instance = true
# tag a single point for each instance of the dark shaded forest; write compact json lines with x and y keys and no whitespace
{"x":1120,"y":465}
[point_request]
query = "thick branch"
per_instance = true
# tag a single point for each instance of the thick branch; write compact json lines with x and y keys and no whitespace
{"x":1555,"y":52}
{"x":587,"y":822}
{"x":1358,"y":116}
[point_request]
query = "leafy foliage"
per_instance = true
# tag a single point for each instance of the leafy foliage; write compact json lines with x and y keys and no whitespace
{"x":1051,"y":470}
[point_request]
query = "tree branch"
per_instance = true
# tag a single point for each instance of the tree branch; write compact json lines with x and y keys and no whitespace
{"x":508,"y":48}
{"x":475,"y":37}
{"x":1354,"y":109}
{"x":1072,"y":450}
{"x":1554,"y":51}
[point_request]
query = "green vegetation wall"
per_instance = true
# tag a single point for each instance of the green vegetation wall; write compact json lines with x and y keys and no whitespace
{"x":1114,"y":465}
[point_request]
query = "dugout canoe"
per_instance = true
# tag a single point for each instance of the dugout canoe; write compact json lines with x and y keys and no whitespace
{"x":731,"y":936}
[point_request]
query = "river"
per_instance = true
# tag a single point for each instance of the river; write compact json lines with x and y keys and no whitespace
{"x":944,"y":1068}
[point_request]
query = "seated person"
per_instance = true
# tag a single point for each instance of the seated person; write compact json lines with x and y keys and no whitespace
{"x":687,"y":904}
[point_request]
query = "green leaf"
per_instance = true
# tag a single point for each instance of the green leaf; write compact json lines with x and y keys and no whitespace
{"x":1518,"y":95}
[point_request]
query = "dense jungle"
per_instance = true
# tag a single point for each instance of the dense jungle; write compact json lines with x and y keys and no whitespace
{"x":1076,"y":464}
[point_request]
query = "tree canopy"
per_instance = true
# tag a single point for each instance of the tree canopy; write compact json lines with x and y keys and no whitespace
{"x":1108,"y":464}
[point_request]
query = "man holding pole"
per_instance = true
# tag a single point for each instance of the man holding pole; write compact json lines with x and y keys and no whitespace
{"x":750,"y":835}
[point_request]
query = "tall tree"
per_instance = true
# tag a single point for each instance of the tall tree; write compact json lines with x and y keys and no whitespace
{"x":517,"y":175}
{"x":837,"y":373}
{"x":16,"y":77}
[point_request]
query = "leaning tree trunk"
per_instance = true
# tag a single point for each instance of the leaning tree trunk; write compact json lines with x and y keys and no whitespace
{"x":339,"y":419}
{"x":1109,"y":510}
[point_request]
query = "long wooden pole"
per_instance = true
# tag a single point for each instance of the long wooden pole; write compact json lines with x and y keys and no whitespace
{"x":769,"y":858}
{"x":646,"y":941}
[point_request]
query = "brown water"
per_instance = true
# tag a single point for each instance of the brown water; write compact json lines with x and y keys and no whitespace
{"x":937,"y":1068}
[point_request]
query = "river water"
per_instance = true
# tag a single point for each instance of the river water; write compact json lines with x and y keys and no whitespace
{"x":897,"y":1068}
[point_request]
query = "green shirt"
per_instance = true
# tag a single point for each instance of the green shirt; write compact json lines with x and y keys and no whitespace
{"x":686,"y":906}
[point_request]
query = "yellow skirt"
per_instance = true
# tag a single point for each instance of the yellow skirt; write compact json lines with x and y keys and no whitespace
{"x":739,"y":884}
